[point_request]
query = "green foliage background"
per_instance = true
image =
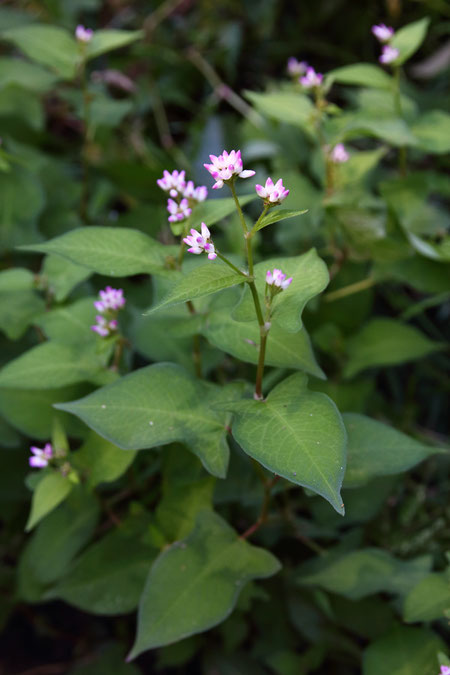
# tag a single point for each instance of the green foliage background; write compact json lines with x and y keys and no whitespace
{"x":152,"y":524}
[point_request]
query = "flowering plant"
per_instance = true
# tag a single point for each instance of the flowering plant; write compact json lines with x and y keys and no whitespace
{"x":222,"y":394}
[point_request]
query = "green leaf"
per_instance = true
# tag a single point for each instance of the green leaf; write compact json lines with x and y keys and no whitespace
{"x":280,"y":214}
{"x":201,"y":281}
{"x":403,"y":651}
{"x":62,"y":276}
{"x":409,"y":38}
{"x":284,"y":106}
{"x":50,"y":365}
{"x":18,"y":309}
{"x":368,"y":571}
{"x":297,"y":434}
{"x":386,"y":342}
{"x":16,"y":279}
{"x":361,"y":74}
{"x":109,"y":576}
{"x":29,"y":76}
{"x":429,"y":600}
{"x":102,"y":461}
{"x":194,"y":585}
{"x":310,"y":277}
{"x":30,"y":411}
{"x":52,"y":46}
{"x":285,"y":350}
{"x":106,"y":40}
{"x":157,"y":405}
{"x":375,"y":449}
{"x":21,"y":202}
{"x":51,"y":490}
{"x":393,"y":130}
{"x":112,"y":251}
{"x":432,"y":131}
{"x":213,"y":210}
{"x":56,"y":541}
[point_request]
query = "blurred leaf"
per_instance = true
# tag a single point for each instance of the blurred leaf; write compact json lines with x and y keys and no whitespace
{"x":284,"y":106}
{"x":51,"y":490}
{"x":432,"y":131}
{"x":403,"y":651}
{"x":62,"y":276}
{"x":375,"y":449}
{"x":274,"y":216}
{"x":213,"y":210}
{"x":429,"y":600}
{"x":14,"y":71}
{"x":215,"y":564}
{"x":106,"y":40}
{"x":409,"y":38}
{"x":108,"y":577}
{"x":366,"y":572}
{"x":386,"y":342}
{"x":18,"y":309}
{"x":52,"y":46}
{"x":362,"y":74}
{"x":102,"y":461}
{"x":50,"y":365}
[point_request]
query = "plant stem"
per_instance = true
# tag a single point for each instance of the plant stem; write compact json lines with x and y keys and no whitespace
{"x":260,"y":369}
{"x":230,"y":264}
{"x":399,"y":111}
{"x":238,"y":206}
{"x":118,"y":351}
{"x":262,"y":518}
{"x":84,"y":162}
{"x":263,"y":213}
{"x":350,"y":289}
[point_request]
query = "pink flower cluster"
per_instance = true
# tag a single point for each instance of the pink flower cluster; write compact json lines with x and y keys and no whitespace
{"x":384,"y":34}
{"x":445,"y":670}
{"x":277,"y":280}
{"x":40,"y":457}
{"x":201,"y":241}
{"x":296,"y":68}
{"x":83,"y":34}
{"x":272,"y":193}
{"x":226,"y":167}
{"x":183,"y":195}
{"x":111,"y":301}
{"x":339,"y":154}
{"x":311,"y":79}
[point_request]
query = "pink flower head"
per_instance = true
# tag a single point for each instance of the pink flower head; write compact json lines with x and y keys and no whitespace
{"x":339,"y":154}
{"x":445,"y":670}
{"x":83,"y":34}
{"x":198,"y":194}
{"x":225,"y":166}
{"x":382,"y":32}
{"x":201,"y":241}
{"x":104,"y":327}
{"x":277,"y":279}
{"x":272,"y":193}
{"x":388,"y":54}
{"x":178,"y":212}
{"x":173,"y":183}
{"x":312,"y":79}
{"x":41,"y":456}
{"x":296,"y":68}
{"x":110,"y":299}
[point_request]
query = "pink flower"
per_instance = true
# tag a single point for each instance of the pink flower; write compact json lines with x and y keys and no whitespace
{"x":83,"y":34}
{"x":178,"y":212}
{"x":272,"y":193}
{"x":104,"y":327}
{"x":445,"y":670}
{"x":198,"y":194}
{"x":41,"y":457}
{"x":110,"y":299}
{"x":296,"y":68}
{"x":339,"y":154}
{"x":173,"y":183}
{"x":278,"y":280}
{"x":388,"y":54}
{"x":201,"y":241}
{"x":382,"y":32}
{"x":227,"y":165}
{"x":311,"y":79}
